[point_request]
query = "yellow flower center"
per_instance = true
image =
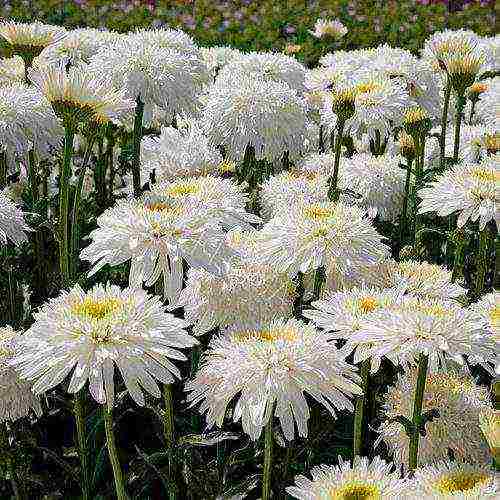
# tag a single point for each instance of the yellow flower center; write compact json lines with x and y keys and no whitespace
{"x":96,"y":309}
{"x":355,"y":491}
{"x":317,"y":212}
{"x":365,"y":88}
{"x":478,"y":88}
{"x":495,"y":316}
{"x":287,"y":334}
{"x":492,"y":143}
{"x":415,"y":115}
{"x":183,"y":189}
{"x":460,"y":481}
{"x":368,"y":304}
{"x":227,"y":167}
{"x":486,"y":175}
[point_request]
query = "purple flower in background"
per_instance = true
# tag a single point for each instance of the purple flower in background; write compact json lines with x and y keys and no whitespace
{"x":290,"y":30}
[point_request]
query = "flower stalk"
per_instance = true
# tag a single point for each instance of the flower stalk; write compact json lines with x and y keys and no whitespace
{"x":482,"y":260}
{"x":333,"y":193}
{"x":458,"y":123}
{"x":113,"y":454}
{"x":6,"y":454}
{"x":444,"y":123}
{"x":360,"y":409}
{"x":268,"y":459}
{"x":168,"y":433}
{"x":79,"y":412}
{"x":137,"y":137}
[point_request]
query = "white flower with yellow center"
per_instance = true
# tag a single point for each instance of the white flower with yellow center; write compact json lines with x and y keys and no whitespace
{"x":80,"y":96}
{"x":89,"y":333}
{"x":472,"y":190}
{"x":16,"y":398}
{"x":245,"y":294}
{"x":268,"y":369}
{"x":158,"y":235}
{"x":311,"y":235}
{"x":363,"y":480}
{"x":280,"y":191}
{"x":12,"y":224}
{"x":12,"y":71}
{"x":440,"y":329}
{"x":459,"y":402}
{"x":455,"y":480}
{"x":326,"y":28}
{"x":224,"y":199}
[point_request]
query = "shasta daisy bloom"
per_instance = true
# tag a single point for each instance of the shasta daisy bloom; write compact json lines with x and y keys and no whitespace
{"x":489,"y":421}
{"x":247,"y":293}
{"x":223,"y":198}
{"x":470,"y":189}
{"x":364,"y":479}
{"x":267,"y":369}
{"x":29,"y":39}
{"x":80,"y":96}
{"x":16,"y":398}
{"x":218,"y":57}
{"x":166,"y":38}
{"x":454,"y":480}
{"x":459,"y":402}
{"x":311,"y":235}
{"x":439,"y":329}
{"x":265,"y":66}
{"x":326,"y":28}
{"x":488,"y":108}
{"x":295,"y":186}
{"x":269,"y":116}
{"x":12,"y":71}
{"x":12,"y":224}
{"x":157,"y":235}
{"x":317,"y":163}
{"x":179,"y":153}
{"x":379,"y":182}
{"x":89,"y":333}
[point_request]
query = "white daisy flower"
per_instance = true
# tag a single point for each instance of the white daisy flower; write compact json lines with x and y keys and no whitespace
{"x":379,"y":182}
{"x":459,"y":402}
{"x":166,"y":38}
{"x":246,"y":294}
{"x":16,"y":398}
{"x":470,"y":189}
{"x":157,"y":235}
{"x":270,"y":367}
{"x":218,"y":57}
{"x":326,"y":28}
{"x":269,"y":116}
{"x":353,"y":60}
{"x":328,"y":234}
{"x":93,"y":331}
{"x":439,"y":329}
{"x":454,"y":480}
{"x":317,"y":163}
{"x":12,"y":71}
{"x":179,"y":153}
{"x":264,"y":66}
{"x":364,"y":479}
{"x":488,"y":107}
{"x":325,"y":78}
{"x":12,"y":224}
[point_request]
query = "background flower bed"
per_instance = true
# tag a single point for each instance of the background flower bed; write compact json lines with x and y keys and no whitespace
{"x":268,"y":24}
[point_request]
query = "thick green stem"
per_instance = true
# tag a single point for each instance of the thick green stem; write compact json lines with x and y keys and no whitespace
{"x":321,"y":139}
{"x":472,"y":109}
{"x":113,"y":454}
{"x":319,"y":281}
{"x":64,"y":206}
{"x":195,"y":359}
{"x":417,"y":411}
{"x":268,"y":459}
{"x":482,"y":260}
{"x":169,"y":434}
{"x":136,"y":160}
{"x":6,"y":455}
{"x":458,"y":123}
{"x":333,"y":194}
{"x":404,"y":211}
{"x":444,"y":124}
{"x":37,"y":237}
{"x":79,"y":411}
{"x":360,"y":409}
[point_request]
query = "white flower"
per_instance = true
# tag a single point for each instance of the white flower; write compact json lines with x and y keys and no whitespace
{"x":470,"y":189}
{"x":179,"y":153}
{"x":223,"y":198}
{"x":12,"y":224}
{"x":454,"y":480}
{"x":280,"y":191}
{"x":459,"y":402}
{"x":312,"y":235}
{"x":93,"y":331}
{"x":488,"y":107}
{"x":364,"y":479}
{"x":378,"y":180}
{"x":325,"y":28}
{"x":437,"y":328}
{"x":16,"y":398}
{"x":270,"y":367}
{"x":217,"y":57}
{"x":12,"y":71}
{"x":245,"y":294}
{"x":166,"y":38}
{"x":269,"y":116}
{"x":264,"y":66}
{"x":157,"y":235}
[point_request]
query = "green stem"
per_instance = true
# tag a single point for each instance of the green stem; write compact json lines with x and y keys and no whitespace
{"x":3,"y":169}
{"x":64,"y":206}
{"x":333,"y":194}
{"x":268,"y":459}
{"x":360,"y":409}
{"x":110,"y":147}
{"x":482,"y":260}
{"x":458,"y":124}
{"x":37,"y":237}
{"x":136,"y":160}
{"x":79,"y":412}
{"x":168,"y":433}
{"x":403,"y":221}
{"x":417,"y":411}
{"x":6,"y":454}
{"x":195,"y":358}
{"x":472,"y":110}
{"x":321,"y":139}
{"x":113,"y":454}
{"x":33,"y":177}
{"x":444,"y":124}
{"x":319,"y":281}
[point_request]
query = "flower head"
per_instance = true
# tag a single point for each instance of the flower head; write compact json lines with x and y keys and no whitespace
{"x":325,"y":28}
{"x":268,"y":368}
{"x":12,"y":71}
{"x":217,"y":57}
{"x":89,"y":333}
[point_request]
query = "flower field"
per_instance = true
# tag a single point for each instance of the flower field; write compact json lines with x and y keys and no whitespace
{"x":255,"y":262}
